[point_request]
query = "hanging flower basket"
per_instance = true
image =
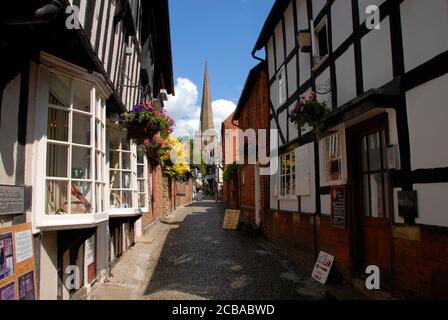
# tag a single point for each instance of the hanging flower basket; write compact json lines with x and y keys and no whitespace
{"x":309,"y":111}
{"x":144,"y":122}
{"x":156,"y":148}
{"x":149,"y":127}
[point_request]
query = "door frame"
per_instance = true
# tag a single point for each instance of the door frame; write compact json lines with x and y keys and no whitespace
{"x":355,"y":229}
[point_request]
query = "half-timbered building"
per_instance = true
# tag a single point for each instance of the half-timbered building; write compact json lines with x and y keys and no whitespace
{"x":372,"y":190}
{"x":68,"y":69}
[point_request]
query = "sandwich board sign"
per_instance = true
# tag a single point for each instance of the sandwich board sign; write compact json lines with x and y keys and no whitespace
{"x":322,"y":268}
{"x":231,"y":219}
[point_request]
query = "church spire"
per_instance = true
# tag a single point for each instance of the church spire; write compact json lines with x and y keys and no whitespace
{"x":206,"y":107}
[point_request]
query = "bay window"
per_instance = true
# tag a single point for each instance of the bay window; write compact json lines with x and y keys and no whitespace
{"x":75,"y":158}
{"x":128,"y":171}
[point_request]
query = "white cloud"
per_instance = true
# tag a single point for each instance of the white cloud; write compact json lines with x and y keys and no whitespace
{"x":185,"y":108}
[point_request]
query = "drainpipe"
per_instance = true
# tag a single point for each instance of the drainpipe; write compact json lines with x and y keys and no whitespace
{"x":45,"y":14}
{"x":255,"y":56}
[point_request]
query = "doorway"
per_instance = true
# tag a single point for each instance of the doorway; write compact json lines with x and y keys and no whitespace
{"x":371,"y":198}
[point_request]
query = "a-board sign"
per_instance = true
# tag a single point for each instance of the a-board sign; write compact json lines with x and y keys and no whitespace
{"x":322,"y":268}
{"x":231,"y":219}
{"x":338,"y":205}
{"x":17,"y":274}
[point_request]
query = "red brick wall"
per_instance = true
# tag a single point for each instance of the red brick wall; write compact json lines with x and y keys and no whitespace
{"x":156,"y":207}
{"x":420,"y":266}
{"x":256,"y":104}
{"x":230,"y":192}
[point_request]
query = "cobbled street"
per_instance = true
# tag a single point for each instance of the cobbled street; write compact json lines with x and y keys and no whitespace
{"x":188,"y":255}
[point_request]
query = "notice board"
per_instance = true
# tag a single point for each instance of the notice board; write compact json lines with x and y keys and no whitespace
{"x":231,"y":219}
{"x":17,"y":267}
{"x":338,"y":205}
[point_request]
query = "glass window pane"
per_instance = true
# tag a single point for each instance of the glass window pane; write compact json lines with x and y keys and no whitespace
{"x":140,"y":158}
{"x":81,"y":198}
{"x":141,"y":172}
{"x":125,"y":144}
{"x":374,"y":152}
{"x":126,"y":161}
{"x":141,"y":186}
{"x":114,"y":159}
{"x":59,"y":90}
{"x":126,"y":184}
{"x":115,"y":179}
{"x":376,"y":191}
{"x":57,"y":161}
{"x":365,"y":192}
{"x":114,"y":139}
{"x":288,"y":185}
{"x":81,"y":95}
{"x":126,"y":200}
{"x":81,"y":163}
{"x":56,"y":197}
{"x":115,"y":199}
{"x":57,"y":127}
{"x":81,"y":129}
{"x":142,"y":201}
{"x":383,"y":141}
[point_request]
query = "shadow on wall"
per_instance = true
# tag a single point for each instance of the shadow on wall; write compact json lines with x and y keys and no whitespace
{"x":9,"y":108}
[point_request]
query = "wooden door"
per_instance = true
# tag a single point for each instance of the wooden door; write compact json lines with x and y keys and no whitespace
{"x":371,"y":203}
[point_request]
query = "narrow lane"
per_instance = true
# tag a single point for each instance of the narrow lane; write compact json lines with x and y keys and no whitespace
{"x":189,"y":256}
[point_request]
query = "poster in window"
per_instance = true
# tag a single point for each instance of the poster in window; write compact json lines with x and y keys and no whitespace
{"x":8,"y":292}
{"x":6,"y":256}
{"x":26,"y":286}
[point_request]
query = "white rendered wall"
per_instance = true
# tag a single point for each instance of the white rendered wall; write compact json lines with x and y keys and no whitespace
{"x":9,"y":131}
{"x":291,"y":69}
{"x":428,"y":117}
{"x":290,"y":29}
{"x":346,"y":77}
{"x":279,"y":45}
{"x":48,"y":267}
{"x":424,"y":25}
{"x":342,"y":27}
{"x":432,"y":208}
{"x":377,"y":57}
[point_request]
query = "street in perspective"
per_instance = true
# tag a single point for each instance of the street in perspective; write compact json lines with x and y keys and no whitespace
{"x":224,"y":156}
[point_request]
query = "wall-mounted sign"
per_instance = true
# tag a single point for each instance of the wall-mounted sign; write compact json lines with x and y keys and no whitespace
{"x":12,"y":199}
{"x":231,"y":219}
{"x":17,"y":263}
{"x":338,"y":205}
{"x":322,"y":268}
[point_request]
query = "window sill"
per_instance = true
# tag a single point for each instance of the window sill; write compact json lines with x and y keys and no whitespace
{"x":321,"y":61}
{"x":71,"y":221}
{"x":334,"y":183}
{"x":114,"y":212}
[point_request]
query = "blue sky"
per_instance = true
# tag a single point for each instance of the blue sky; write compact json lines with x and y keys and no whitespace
{"x":223,"y":32}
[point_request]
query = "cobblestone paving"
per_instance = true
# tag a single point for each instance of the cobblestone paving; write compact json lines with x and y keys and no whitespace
{"x":189,"y":256}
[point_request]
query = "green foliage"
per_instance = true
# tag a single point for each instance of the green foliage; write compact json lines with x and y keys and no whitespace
{"x":230,"y":172}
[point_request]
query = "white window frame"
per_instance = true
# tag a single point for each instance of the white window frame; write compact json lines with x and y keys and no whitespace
{"x":326,"y":145}
{"x":281,"y":86}
{"x":291,"y":193}
{"x":318,"y":60}
{"x":132,"y":171}
{"x":145,"y":180}
{"x":42,"y":220}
